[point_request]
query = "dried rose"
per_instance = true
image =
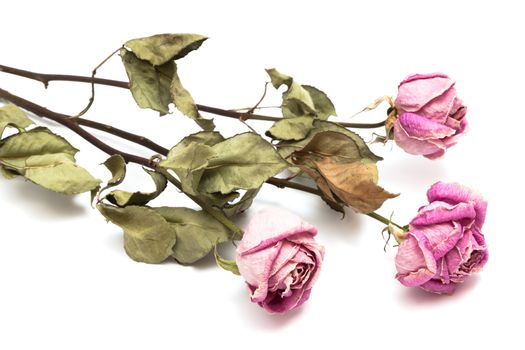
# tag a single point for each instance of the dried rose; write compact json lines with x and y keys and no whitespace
{"x":279,"y":259}
{"x":431,"y":116}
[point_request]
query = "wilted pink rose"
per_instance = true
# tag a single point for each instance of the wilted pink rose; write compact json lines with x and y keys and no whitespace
{"x":431,"y":117}
{"x":279,"y":259}
{"x":444,"y":245}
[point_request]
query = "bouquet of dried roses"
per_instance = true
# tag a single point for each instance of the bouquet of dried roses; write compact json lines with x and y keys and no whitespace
{"x":277,"y":254}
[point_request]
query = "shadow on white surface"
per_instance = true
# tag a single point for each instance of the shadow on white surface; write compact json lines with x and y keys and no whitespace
{"x":258,"y":318}
{"x":38,"y":201}
{"x":416,"y":297}
{"x":412,"y":171}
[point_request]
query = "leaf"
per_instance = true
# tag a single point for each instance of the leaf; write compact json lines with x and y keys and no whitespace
{"x":148,"y":237}
{"x":186,"y":105}
{"x":197,"y":232}
{"x":355,"y":184}
{"x":324,"y":107}
{"x":11,"y":115}
{"x":47,"y":160}
{"x":243,"y":161}
{"x":291,"y":128}
{"x":117,"y":166}
{"x":161,"y":48}
{"x":125,"y":198}
{"x":208,"y":138}
{"x":287,"y":148}
{"x":243,"y":204}
{"x":228,"y":265}
{"x":189,"y":161}
{"x":301,"y":100}
{"x":150,"y":85}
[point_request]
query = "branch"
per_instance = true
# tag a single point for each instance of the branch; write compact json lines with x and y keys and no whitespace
{"x":46,"y":78}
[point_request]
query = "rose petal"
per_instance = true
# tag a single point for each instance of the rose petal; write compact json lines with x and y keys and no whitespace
{"x":440,"y":107}
{"x":441,"y":237}
{"x":421,"y":128}
{"x":454,"y":193}
{"x":438,"y":212}
{"x":417,"y":90}
{"x":415,"y":263}
{"x":436,"y":286}
{"x":275,"y":303}
{"x":254,"y":275}
{"x":415,"y":146}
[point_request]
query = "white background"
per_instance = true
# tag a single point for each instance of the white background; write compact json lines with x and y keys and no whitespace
{"x":66,"y":282}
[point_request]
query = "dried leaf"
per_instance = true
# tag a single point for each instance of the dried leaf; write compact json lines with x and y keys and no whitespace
{"x":197,"y":232}
{"x":125,"y":198}
{"x":243,"y":204}
{"x":287,"y":148}
{"x":148,"y":237}
{"x":244,"y":161}
{"x":150,"y":85}
{"x":161,"y":48}
{"x":186,"y":105}
{"x":117,"y":166}
{"x":301,"y":100}
{"x":228,"y":265}
{"x":355,"y":184}
{"x":47,"y":160}
{"x":11,"y":115}
{"x":291,"y":128}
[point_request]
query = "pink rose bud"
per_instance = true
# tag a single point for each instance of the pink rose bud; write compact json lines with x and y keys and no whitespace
{"x":279,"y":259}
{"x":444,"y":245}
{"x":431,"y":117}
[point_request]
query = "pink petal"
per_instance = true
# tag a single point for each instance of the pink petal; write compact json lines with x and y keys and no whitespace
{"x":417,"y":90}
{"x":438,"y":212}
{"x":436,"y":286}
{"x":441,"y":237}
{"x":455,"y":193}
{"x":415,"y":263}
{"x":275,"y":303}
{"x":421,"y":128}
{"x":415,"y":146}
{"x":440,"y":107}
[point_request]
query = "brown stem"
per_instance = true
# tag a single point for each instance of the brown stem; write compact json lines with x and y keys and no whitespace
{"x":70,"y":124}
{"x":46,"y":78}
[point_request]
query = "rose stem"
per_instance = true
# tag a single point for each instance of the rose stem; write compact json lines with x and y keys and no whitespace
{"x":46,"y":78}
{"x":71,"y":123}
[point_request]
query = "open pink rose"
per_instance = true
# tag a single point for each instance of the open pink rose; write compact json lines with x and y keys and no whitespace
{"x":279,"y":259}
{"x":444,"y":245}
{"x":431,"y":117}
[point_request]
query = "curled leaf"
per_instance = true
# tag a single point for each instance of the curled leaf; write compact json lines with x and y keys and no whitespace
{"x":11,"y":115}
{"x":117,"y":166}
{"x":186,"y":105}
{"x":125,"y":198}
{"x":228,"y":265}
{"x":47,"y":160}
{"x":161,"y":48}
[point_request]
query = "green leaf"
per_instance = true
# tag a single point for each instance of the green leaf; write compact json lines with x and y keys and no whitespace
{"x":243,"y":204}
{"x":301,"y":100}
{"x":125,"y":198}
{"x":117,"y":166}
{"x":148,"y":237}
{"x":291,"y":128}
{"x":161,"y":48}
{"x":324,"y":107}
{"x":186,"y":105}
{"x":47,"y":160}
{"x":287,"y":148}
{"x":243,"y":161}
{"x":150,"y":85}
{"x":228,"y":265}
{"x":11,"y":115}
{"x":208,"y":138}
{"x":197,"y":232}
{"x":189,"y":161}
